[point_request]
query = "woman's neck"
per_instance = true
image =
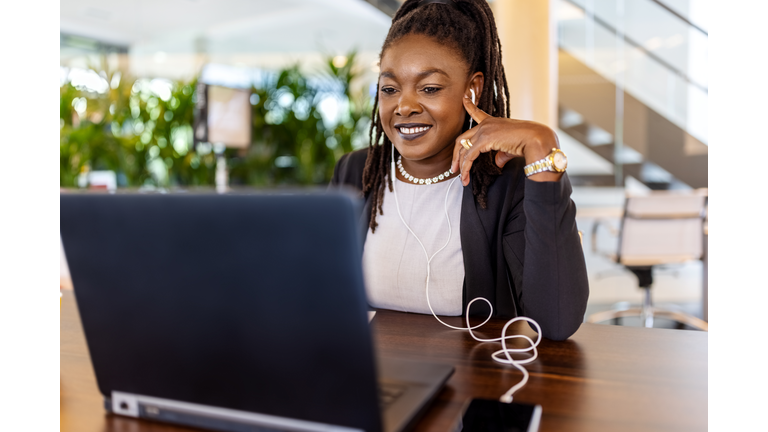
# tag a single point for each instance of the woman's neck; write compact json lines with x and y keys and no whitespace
{"x":430,"y":167}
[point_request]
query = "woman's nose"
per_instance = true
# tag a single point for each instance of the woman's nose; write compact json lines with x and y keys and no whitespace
{"x":408,"y":104}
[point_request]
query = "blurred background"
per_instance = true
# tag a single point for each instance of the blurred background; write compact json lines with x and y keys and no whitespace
{"x":170,"y":95}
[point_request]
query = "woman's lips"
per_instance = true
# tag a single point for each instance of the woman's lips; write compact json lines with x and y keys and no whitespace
{"x":409,"y":132}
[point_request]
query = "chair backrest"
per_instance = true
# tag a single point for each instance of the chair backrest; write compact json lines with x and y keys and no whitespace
{"x":662,"y":227}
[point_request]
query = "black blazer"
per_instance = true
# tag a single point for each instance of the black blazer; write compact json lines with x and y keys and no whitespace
{"x":522,"y":252}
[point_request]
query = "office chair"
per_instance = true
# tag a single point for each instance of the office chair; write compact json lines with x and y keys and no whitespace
{"x":657,"y":228}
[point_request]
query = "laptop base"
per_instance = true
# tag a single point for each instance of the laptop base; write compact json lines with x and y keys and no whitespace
{"x":207,"y":417}
{"x":417,"y":384}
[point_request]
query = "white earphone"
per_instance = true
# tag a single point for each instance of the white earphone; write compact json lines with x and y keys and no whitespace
{"x":497,"y":356}
{"x":473,"y":101}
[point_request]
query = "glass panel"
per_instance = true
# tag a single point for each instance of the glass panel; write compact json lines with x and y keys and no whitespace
{"x":695,"y":11}
{"x":659,"y":82}
{"x":649,"y":25}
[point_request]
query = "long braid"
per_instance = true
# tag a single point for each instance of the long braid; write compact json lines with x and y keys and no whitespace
{"x":376,"y":167}
{"x":470,"y":29}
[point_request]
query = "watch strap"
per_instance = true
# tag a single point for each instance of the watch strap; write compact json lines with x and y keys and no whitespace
{"x":545,"y":164}
{"x":539,"y":166}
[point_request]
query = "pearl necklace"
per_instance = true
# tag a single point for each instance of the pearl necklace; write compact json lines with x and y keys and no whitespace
{"x":415,"y":180}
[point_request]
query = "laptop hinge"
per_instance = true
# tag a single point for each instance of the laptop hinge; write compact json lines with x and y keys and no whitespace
{"x":208,"y":417}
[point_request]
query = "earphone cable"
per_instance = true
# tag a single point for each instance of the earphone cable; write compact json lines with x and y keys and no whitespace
{"x":504,"y":355}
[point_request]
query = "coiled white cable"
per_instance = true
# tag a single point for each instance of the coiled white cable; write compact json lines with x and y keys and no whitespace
{"x":504,"y":355}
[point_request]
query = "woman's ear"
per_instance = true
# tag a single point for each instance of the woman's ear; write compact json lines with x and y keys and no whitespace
{"x":475,"y":86}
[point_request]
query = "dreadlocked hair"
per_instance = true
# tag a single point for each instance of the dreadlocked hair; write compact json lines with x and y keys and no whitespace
{"x":468,"y":27}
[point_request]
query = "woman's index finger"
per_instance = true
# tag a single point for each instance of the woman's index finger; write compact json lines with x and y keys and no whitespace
{"x":476,"y":113}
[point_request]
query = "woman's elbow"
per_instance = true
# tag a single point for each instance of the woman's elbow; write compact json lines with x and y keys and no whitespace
{"x":569,"y":318}
{"x":563,"y":323}
{"x":560,"y":331}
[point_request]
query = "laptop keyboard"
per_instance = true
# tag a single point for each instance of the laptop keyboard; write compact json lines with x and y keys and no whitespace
{"x":388,"y":393}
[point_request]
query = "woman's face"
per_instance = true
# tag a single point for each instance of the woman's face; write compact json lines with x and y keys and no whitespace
{"x":421,"y":86}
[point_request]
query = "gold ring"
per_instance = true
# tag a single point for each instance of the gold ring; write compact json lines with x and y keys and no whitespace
{"x":467,"y":144}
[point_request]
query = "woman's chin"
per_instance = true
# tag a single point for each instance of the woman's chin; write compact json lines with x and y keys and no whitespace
{"x":414,"y":151}
{"x":409,"y":151}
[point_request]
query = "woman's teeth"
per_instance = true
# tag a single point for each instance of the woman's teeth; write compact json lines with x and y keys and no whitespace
{"x":414,"y":130}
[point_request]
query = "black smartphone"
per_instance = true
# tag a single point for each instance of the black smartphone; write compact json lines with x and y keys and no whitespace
{"x":494,"y":416}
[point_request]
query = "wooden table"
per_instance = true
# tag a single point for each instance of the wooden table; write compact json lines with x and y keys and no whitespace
{"x":604,"y":378}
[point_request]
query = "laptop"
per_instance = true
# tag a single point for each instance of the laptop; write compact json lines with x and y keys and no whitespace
{"x":235,"y":313}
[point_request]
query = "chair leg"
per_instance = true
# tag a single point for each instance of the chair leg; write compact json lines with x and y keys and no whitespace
{"x":646,"y":316}
{"x":620,"y":306}
{"x":680,"y":317}
{"x":657,"y":313}
{"x":613,"y":315}
{"x":646,"y":312}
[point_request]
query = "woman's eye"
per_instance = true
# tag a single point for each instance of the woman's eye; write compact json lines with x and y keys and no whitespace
{"x":387,"y":90}
{"x":431,"y":90}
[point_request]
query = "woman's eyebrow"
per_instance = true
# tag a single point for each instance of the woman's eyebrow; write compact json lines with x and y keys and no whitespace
{"x":421,"y":75}
{"x":428,"y":72}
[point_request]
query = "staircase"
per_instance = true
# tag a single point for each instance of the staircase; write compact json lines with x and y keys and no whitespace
{"x":659,"y":117}
{"x":655,"y":151}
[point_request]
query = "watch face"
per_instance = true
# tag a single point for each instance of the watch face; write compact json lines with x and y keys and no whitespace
{"x":560,"y":161}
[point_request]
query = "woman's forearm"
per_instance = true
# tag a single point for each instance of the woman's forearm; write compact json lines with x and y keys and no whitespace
{"x":555,"y":286}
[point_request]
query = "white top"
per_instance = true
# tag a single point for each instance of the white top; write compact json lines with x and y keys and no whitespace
{"x":394,"y":264}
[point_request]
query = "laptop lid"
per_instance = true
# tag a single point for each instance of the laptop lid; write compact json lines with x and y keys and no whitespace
{"x":246,"y":302}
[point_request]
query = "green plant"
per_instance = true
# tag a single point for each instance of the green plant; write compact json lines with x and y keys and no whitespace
{"x":288,"y":135}
{"x":352,"y":131}
{"x":142,"y":130}
{"x":292,"y":142}
{"x":85,"y":141}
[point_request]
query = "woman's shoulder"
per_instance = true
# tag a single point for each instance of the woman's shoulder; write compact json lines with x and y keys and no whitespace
{"x":349,"y":169}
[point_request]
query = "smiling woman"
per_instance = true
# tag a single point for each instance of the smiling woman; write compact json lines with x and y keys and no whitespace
{"x":422,"y":83}
{"x":516,"y":245}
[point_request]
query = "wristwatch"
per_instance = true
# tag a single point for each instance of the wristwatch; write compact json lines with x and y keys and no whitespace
{"x":556,"y":161}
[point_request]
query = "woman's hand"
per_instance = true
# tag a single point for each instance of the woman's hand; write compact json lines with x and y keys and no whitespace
{"x":509,"y":137}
